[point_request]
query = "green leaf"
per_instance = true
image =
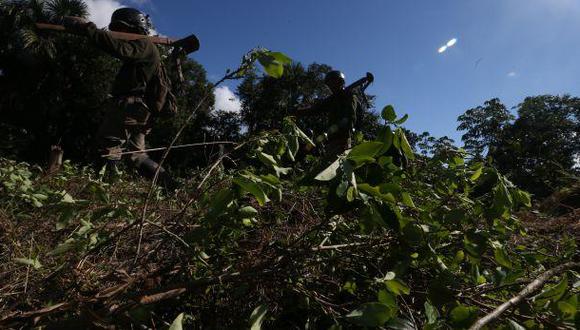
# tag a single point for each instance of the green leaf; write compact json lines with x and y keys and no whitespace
{"x":463,"y":316}
{"x":552,"y":294}
{"x":253,"y":188}
{"x":366,"y":149}
{"x":385,"y":135}
{"x":248,"y":212}
{"x":281,"y":170}
{"x":349,"y":287}
{"x":63,"y":248}
{"x":476,"y":174}
{"x":329,"y":173}
{"x":389,"y":113}
{"x":177,"y":324}
{"x":257,"y":317}
{"x":65,"y":218}
{"x":459,"y":256}
{"x":397,"y":287}
{"x":407,"y":200}
{"x":67,"y":199}
{"x":502,"y":258}
{"x":567,"y":310}
{"x":523,"y":198}
{"x":341,"y":189}
{"x":293,"y":147}
{"x":35,"y":263}
{"x":220,"y":202}
{"x":281,"y":57}
{"x":475,"y":244}
{"x":360,"y":161}
{"x":376,"y":192}
{"x":267,"y":159}
{"x":387,"y":298}
{"x":303,"y":136}
{"x":273,"y":63}
{"x":270,"y":179}
{"x":372,"y":314}
{"x":400,"y":324}
{"x":431,"y":313}
{"x":405,"y":146}
{"x":350,"y":194}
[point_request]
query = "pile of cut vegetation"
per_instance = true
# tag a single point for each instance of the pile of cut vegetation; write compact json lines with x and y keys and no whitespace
{"x":366,"y":243}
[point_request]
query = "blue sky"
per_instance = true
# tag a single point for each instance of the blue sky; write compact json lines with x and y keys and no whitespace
{"x":506,"y":48}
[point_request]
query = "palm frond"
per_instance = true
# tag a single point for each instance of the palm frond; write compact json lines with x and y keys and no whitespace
{"x":60,"y":8}
{"x":34,"y":44}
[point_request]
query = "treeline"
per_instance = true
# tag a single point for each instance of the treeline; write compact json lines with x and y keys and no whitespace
{"x":54,"y":89}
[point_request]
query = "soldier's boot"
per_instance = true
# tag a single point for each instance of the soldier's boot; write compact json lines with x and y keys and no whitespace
{"x":147,"y":168}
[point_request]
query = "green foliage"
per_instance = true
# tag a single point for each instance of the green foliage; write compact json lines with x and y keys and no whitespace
{"x":372,"y":314}
{"x":538,"y":150}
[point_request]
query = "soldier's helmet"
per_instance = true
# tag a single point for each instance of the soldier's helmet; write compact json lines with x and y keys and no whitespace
{"x":130,"y":20}
{"x":334,"y":77}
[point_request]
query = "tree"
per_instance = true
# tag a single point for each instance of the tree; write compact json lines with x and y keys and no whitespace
{"x":538,"y":150}
{"x":541,"y":148}
{"x":52,"y":84}
{"x":484,"y":126}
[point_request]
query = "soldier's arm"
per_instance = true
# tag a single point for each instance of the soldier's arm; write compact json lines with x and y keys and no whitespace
{"x":121,"y":49}
{"x":311,"y":110}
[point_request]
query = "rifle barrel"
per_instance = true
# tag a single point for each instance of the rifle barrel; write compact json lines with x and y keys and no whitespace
{"x":117,"y":35}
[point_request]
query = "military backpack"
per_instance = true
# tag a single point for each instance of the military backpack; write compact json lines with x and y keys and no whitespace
{"x":159,"y":96}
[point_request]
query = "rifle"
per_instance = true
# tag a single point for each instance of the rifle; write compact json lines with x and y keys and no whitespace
{"x":185,"y":45}
{"x":181,"y":47}
{"x":361,"y":85}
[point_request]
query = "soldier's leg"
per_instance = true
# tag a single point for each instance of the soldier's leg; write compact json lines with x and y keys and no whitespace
{"x":137,"y":129}
{"x":111,"y":136}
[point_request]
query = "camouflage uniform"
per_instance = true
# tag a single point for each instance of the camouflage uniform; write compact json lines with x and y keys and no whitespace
{"x":341,"y":109}
{"x":126,"y":120}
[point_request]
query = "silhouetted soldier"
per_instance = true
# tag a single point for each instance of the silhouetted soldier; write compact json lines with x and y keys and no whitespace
{"x":127,"y":121}
{"x":340,"y":109}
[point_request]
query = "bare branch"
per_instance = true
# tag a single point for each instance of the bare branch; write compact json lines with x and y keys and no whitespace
{"x":534,"y":286}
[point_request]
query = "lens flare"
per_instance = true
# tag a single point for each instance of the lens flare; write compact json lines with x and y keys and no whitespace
{"x":448,"y":45}
{"x":451,"y":42}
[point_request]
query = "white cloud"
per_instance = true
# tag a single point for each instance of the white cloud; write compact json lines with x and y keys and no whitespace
{"x":100,"y":11}
{"x":512,"y":74}
{"x":226,"y":100}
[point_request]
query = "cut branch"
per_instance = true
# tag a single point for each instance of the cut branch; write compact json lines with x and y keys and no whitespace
{"x":534,"y":286}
